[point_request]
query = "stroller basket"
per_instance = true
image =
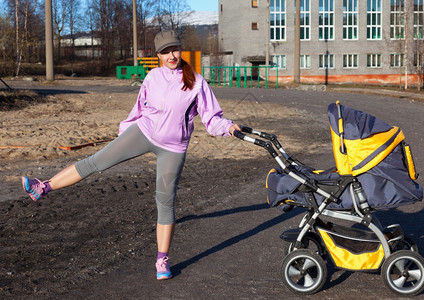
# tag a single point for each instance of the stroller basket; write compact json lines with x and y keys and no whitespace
{"x":352,"y":249}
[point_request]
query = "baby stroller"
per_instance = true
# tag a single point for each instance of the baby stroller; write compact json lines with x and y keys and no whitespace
{"x":374,"y":170}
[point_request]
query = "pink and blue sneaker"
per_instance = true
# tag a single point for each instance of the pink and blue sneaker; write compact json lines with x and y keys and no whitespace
{"x":162,"y":268}
{"x":35,"y":188}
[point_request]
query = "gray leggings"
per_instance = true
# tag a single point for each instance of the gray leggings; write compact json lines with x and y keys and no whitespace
{"x":133,"y":143}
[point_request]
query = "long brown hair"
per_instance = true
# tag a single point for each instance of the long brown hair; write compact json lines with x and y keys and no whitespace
{"x":188,"y":75}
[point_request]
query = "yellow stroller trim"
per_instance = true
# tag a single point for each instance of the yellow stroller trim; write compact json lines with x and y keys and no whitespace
{"x":345,"y":259}
{"x":363,"y":154}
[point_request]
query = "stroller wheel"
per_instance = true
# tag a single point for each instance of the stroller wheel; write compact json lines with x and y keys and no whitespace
{"x":403,"y":272}
{"x":405,"y":244}
{"x":310,"y":241}
{"x":303,"y":272}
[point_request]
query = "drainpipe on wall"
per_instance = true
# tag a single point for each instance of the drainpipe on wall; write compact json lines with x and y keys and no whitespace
{"x":296,"y":71}
{"x":267,"y":35}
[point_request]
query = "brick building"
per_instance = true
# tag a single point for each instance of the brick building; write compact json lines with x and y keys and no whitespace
{"x":342,"y":41}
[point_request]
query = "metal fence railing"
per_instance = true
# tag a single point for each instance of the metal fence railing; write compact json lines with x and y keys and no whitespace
{"x":240,"y":76}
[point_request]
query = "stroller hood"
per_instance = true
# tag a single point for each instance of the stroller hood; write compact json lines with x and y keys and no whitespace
{"x":360,"y":140}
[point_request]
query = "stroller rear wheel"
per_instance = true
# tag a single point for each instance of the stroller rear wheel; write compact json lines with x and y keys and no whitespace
{"x":403,"y":272}
{"x":405,"y":244}
{"x":303,"y":272}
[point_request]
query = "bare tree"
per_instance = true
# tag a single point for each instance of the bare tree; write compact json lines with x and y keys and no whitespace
{"x":17,"y":43}
{"x":172,"y":14}
{"x":73,"y":24}
{"x":145,"y":10}
{"x":123,"y":27}
{"x":24,"y":13}
{"x":60,"y":20}
{"x":92,"y":22}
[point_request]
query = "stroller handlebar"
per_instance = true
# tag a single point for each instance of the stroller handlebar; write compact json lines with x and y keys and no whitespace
{"x":265,"y":144}
{"x":272,"y":138}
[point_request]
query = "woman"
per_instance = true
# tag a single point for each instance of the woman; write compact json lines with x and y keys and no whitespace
{"x":160,"y":122}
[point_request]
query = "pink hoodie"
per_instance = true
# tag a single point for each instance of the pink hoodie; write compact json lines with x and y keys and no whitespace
{"x":164,"y":112}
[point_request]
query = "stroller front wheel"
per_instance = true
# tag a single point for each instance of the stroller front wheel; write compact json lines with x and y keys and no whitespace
{"x":403,"y":272}
{"x":303,"y":272}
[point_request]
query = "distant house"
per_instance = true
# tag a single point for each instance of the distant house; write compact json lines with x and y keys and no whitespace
{"x":342,"y":41}
{"x":85,"y":45}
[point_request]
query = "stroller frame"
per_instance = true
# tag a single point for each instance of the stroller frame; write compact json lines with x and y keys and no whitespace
{"x":304,"y":271}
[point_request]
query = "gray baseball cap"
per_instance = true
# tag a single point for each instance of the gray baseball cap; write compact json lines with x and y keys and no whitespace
{"x":166,"y":39}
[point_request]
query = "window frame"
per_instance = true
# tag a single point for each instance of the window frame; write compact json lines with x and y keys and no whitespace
{"x":305,"y":61}
{"x":350,"y":20}
{"x":397,"y":60}
{"x":279,"y":60}
{"x":305,"y":19}
{"x":374,"y":13}
{"x":326,"y":61}
{"x":352,"y":61}
{"x":397,"y":20}
{"x":376,"y":61}
{"x":326,"y":13}
{"x":277,"y":24}
{"x":419,"y":15}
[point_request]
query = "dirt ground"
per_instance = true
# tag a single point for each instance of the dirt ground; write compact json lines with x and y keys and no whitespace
{"x":96,"y":239}
{"x":76,"y":234}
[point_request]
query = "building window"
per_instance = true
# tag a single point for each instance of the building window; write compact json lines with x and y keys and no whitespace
{"x":350,"y":19}
{"x":305,"y":19}
{"x":418,"y":60}
{"x":305,"y":61}
{"x":396,"y":60}
{"x":350,"y":61}
{"x":374,"y":12}
{"x":326,"y":61}
{"x":254,"y":26}
{"x":254,"y":3}
{"x":418,"y":19}
{"x":279,"y":61}
{"x":397,"y":19}
{"x":277,"y":24}
{"x":374,"y":61}
{"x":326,"y":20}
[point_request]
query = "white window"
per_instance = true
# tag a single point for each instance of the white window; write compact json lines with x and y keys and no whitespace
{"x":418,"y":19}
{"x":374,"y":12}
{"x":326,"y":61}
{"x":397,"y":19}
{"x":279,"y":60}
{"x":305,"y":61}
{"x":374,"y":60}
{"x":350,"y":19}
{"x":350,"y":61}
{"x":396,"y":60}
{"x":418,"y":60}
{"x":305,"y":19}
{"x":277,"y":24}
{"x":326,"y":20}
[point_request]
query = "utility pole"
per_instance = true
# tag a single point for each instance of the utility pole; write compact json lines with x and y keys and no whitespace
{"x":296,"y":71}
{"x":49,"y":40}
{"x":135,"y":49}
{"x":267,"y":36}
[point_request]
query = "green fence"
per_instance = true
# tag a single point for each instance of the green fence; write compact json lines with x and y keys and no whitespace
{"x":246,"y":77}
{"x":127,"y":72}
